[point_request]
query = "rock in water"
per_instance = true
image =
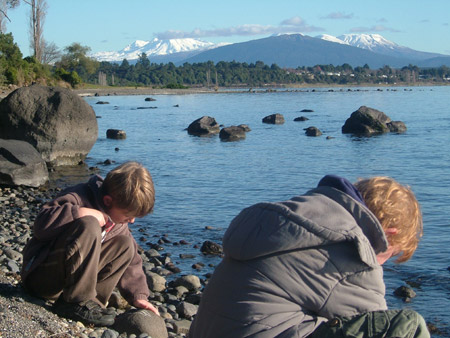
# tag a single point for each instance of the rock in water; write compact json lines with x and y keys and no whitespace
{"x":368,"y":121}
{"x":204,"y":126}
{"x":211,"y":248}
{"x":21,"y":164}
{"x":116,"y":134}
{"x":233,"y":133}
{"x":57,"y":122}
{"x":301,"y":119}
{"x":312,"y":131}
{"x":274,"y":119}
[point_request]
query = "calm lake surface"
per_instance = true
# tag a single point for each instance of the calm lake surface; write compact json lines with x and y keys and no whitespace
{"x":203,"y":182}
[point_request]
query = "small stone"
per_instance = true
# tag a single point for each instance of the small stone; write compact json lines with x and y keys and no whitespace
{"x":12,"y":266}
{"x":191,"y":282}
{"x":182,"y":326}
{"x":186,"y":310}
{"x":13,"y":254}
{"x":155,"y":282}
{"x":108,"y":333}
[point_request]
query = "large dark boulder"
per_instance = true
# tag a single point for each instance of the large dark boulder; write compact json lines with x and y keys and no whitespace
{"x":369,"y":121}
{"x":233,"y":133}
{"x":57,"y":122}
{"x":274,"y":119}
{"x":204,"y":126}
{"x":21,"y":164}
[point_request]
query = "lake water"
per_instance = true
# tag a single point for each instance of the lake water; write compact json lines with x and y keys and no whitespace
{"x":203,"y":182}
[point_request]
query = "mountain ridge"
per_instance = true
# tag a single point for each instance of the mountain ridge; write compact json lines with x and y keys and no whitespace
{"x":286,"y":50}
{"x":155,"y":47}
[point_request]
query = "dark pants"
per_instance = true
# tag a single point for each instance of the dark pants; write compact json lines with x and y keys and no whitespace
{"x":80,"y":266}
{"x":379,"y":324}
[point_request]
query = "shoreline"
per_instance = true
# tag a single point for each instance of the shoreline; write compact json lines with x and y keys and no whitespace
{"x":130,"y":91}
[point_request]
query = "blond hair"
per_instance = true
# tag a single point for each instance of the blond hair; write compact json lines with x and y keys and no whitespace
{"x":395,"y":206}
{"x":131,"y":187}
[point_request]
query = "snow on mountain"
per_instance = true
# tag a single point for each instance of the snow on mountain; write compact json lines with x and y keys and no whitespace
{"x":331,"y":38}
{"x":372,"y":42}
{"x":378,"y":44}
{"x":155,"y":47}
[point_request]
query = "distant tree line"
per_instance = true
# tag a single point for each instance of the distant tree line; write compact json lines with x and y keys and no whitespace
{"x":75,"y":67}
{"x":226,"y":74}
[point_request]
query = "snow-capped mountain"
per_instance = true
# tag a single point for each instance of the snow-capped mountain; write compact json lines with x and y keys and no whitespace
{"x":378,"y":44}
{"x":156,"y":47}
{"x":331,"y":38}
{"x":372,"y":42}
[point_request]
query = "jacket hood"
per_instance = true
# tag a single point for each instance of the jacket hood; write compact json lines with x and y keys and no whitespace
{"x":95,"y":186}
{"x":322,"y":216}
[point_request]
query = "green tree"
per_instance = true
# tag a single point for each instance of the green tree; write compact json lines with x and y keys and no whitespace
{"x":76,"y":59}
{"x":11,"y":63}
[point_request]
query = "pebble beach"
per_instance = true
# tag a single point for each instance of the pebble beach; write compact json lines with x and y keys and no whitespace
{"x":22,"y":315}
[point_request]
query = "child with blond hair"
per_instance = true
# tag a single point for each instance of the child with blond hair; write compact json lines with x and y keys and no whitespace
{"x":82,"y":248}
{"x":311,"y":266}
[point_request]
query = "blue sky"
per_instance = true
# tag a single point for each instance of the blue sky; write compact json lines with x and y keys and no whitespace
{"x":110,"y":25}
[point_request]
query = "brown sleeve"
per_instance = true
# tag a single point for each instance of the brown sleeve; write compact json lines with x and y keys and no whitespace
{"x":133,"y":284}
{"x":55,"y":214}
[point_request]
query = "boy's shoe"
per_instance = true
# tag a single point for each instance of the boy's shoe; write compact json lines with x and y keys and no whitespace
{"x":86,"y":312}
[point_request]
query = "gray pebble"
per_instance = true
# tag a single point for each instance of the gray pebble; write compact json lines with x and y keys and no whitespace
{"x":12,"y":266}
{"x":108,"y":333}
{"x":13,"y":254}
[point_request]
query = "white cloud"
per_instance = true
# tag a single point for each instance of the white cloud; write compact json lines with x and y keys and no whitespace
{"x":376,"y":28}
{"x":338,"y":16}
{"x":289,"y":25}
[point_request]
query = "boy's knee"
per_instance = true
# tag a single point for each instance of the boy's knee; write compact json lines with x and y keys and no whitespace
{"x":88,"y":224}
{"x":124,"y":245}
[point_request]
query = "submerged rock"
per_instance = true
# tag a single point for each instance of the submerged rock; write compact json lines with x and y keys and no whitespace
{"x":301,"y":119}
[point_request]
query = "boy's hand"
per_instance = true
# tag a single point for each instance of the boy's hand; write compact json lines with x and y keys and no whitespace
{"x":93,"y":212}
{"x":145,"y":304}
